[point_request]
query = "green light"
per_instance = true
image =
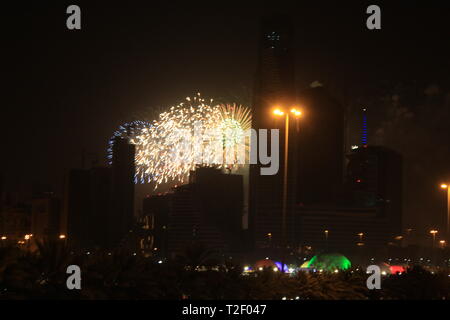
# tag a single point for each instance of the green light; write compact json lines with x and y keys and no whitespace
{"x":330,"y":262}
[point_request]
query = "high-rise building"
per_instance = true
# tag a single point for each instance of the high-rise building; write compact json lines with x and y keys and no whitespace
{"x":320,"y":148}
{"x":77,"y":207}
{"x":88,"y":207}
{"x":207,"y":210}
{"x":99,"y":206}
{"x":374,"y":179}
{"x":156,"y":220}
{"x":100,"y":184}
{"x":274,"y":87}
{"x":121,"y":218}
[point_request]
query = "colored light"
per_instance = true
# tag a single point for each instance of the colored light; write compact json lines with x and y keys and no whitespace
{"x":329,"y":262}
{"x":396,"y":269}
{"x":279,"y":266}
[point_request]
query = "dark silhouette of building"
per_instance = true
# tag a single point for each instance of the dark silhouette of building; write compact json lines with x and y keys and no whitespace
{"x":15,"y":221}
{"x":374,"y":179}
{"x":77,"y":209}
{"x":207,"y":210}
{"x":121,"y":218}
{"x":46,"y":217}
{"x":99,"y":204}
{"x":320,"y":148}
{"x":274,"y":87}
{"x":156,"y":220}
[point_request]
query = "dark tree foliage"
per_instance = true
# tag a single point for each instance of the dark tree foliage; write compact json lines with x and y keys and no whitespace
{"x":198,"y":274}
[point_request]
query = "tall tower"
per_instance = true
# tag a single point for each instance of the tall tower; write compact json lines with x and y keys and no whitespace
{"x":320,"y":148}
{"x":274,"y":86}
{"x":123,"y":170}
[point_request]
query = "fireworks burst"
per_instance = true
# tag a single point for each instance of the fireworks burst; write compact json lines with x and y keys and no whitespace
{"x":193,"y":133}
{"x":137,"y":133}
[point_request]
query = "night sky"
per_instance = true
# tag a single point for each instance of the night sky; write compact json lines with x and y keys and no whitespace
{"x":69,"y":90}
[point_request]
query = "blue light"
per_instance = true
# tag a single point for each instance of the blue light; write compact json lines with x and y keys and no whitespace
{"x":365,"y":128}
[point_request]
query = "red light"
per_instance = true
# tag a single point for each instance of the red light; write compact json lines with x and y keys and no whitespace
{"x":359,"y":181}
{"x":396,"y":269}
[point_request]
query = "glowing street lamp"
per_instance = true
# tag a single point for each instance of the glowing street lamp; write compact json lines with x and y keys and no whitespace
{"x":433,"y":233}
{"x":445,"y":186}
{"x":361,"y":235}
{"x":269,"y":237}
{"x":62,"y":236}
{"x":278,"y":112}
{"x":281,"y":113}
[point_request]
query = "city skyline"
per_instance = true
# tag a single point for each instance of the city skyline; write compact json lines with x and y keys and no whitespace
{"x":126,"y":135}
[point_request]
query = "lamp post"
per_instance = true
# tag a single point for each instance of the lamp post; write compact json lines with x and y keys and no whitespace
{"x":360,"y":236}
{"x":280,"y":113}
{"x":445,"y":186}
{"x":433,"y":233}
{"x":326,"y":239}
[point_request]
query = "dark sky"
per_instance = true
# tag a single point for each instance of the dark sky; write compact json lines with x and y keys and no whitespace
{"x":69,"y":90}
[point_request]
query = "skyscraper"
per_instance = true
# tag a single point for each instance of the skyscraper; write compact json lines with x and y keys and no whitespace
{"x":274,"y":86}
{"x":374,"y":178}
{"x":320,"y":148}
{"x":121,"y":217}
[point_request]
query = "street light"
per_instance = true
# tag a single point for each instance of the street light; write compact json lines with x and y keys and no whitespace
{"x":360,"y":236}
{"x":445,"y":186}
{"x":433,"y":233}
{"x":326,"y":238}
{"x":280,"y":113}
{"x":269,"y":237}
